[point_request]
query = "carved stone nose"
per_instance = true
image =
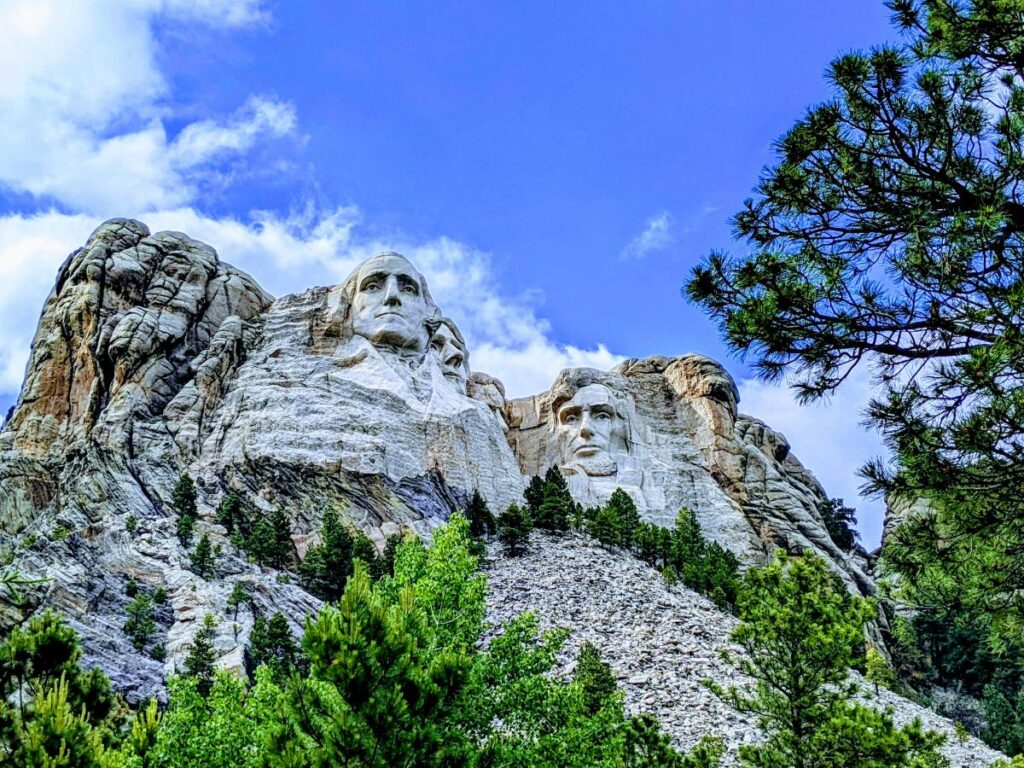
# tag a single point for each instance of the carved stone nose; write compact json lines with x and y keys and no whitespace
{"x":392,"y":296}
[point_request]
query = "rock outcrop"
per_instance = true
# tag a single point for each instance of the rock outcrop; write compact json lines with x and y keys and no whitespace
{"x":154,"y":358}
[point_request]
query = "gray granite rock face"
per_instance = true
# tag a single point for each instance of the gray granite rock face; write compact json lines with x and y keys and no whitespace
{"x":667,"y":431}
{"x":153,"y":357}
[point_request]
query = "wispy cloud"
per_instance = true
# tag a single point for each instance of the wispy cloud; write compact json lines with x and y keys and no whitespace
{"x":657,"y":236}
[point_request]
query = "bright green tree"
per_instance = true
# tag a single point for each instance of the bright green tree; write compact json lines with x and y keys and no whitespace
{"x":140,"y":625}
{"x":594,"y":677}
{"x":239,"y":596}
{"x":514,"y":530}
{"x":328,"y":565}
{"x":46,"y":697}
{"x":799,"y":636}
{"x":273,"y":645}
{"x":201,"y":659}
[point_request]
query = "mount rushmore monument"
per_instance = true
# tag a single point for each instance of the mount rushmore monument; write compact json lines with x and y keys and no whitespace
{"x":155,"y":358}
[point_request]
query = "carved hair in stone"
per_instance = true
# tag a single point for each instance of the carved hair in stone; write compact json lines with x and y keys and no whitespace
{"x":386,"y":301}
{"x":591,"y":422}
{"x":453,"y":356}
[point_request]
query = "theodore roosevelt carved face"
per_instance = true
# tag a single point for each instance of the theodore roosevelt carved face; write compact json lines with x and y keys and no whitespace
{"x":390,"y":305}
{"x":590,"y":430}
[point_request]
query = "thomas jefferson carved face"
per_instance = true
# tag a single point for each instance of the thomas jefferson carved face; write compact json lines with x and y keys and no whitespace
{"x":451,"y":353}
{"x":587,"y":426}
{"x":388,"y":306}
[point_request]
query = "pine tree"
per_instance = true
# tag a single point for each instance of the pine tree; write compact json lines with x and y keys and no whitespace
{"x":239,"y":596}
{"x":183,"y":499}
{"x":626,"y":512}
{"x":231,"y":516}
{"x":514,"y":530}
{"x":199,"y":663}
{"x":185,"y":526}
{"x":140,"y":625}
{"x":799,"y":635}
{"x":387,"y":558}
{"x":282,"y":548}
{"x":595,"y":678}
{"x":329,"y":564}
{"x":273,"y":644}
{"x":481,"y":522}
{"x":606,"y":526}
{"x":365,"y":550}
{"x":202,"y":558}
{"x":534,"y":495}
{"x":911,"y":170}
{"x":557,"y":504}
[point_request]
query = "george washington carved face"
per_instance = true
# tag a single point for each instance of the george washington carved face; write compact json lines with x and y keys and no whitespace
{"x":390,"y":305}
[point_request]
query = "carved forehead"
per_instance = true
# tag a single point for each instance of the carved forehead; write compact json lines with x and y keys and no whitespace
{"x":388,"y":264}
{"x":590,"y":395}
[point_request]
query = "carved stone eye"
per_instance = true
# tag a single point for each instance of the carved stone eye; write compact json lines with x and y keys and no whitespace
{"x":409,"y":288}
{"x":571,"y":418}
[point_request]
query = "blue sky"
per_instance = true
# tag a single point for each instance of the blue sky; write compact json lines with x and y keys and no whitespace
{"x":555,"y":168}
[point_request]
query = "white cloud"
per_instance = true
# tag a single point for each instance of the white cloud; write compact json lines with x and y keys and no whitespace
{"x":827,"y":438}
{"x":84,"y":104}
{"x":657,"y":236}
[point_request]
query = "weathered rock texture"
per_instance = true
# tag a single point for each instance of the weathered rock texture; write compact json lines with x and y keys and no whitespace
{"x":660,"y":641}
{"x":154,"y":358}
{"x":667,"y":431}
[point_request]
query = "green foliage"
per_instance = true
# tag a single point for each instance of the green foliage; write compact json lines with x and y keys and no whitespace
{"x":239,"y":596}
{"x":131,"y":524}
{"x":1004,"y":717}
{"x":183,"y":499}
{"x":231,"y":515}
{"x":556,"y":505}
{"x":890,"y":231}
{"x":272,"y":645}
{"x":379,"y":693}
{"x":481,"y":522}
{"x":799,"y":635}
{"x":185,"y":527}
{"x":625,"y":511}
{"x":47,"y":700}
{"x":221,"y":728}
{"x":328,"y":565}
{"x":140,"y":625}
{"x":606,"y":526}
{"x":534,"y":495}
{"x":877,"y":670}
{"x":199,"y":664}
{"x":840,"y":522}
{"x":514,"y":527}
{"x":703,"y":566}
{"x":202,"y":557}
{"x":594,"y":677}
{"x":365,"y":550}
{"x":160,"y":596}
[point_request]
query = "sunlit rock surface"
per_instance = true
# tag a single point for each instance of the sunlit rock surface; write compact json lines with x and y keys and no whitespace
{"x":153,"y":357}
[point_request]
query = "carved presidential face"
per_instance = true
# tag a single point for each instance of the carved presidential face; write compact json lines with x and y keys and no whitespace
{"x":451,"y":354}
{"x":388,"y":306}
{"x":588,"y":428}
